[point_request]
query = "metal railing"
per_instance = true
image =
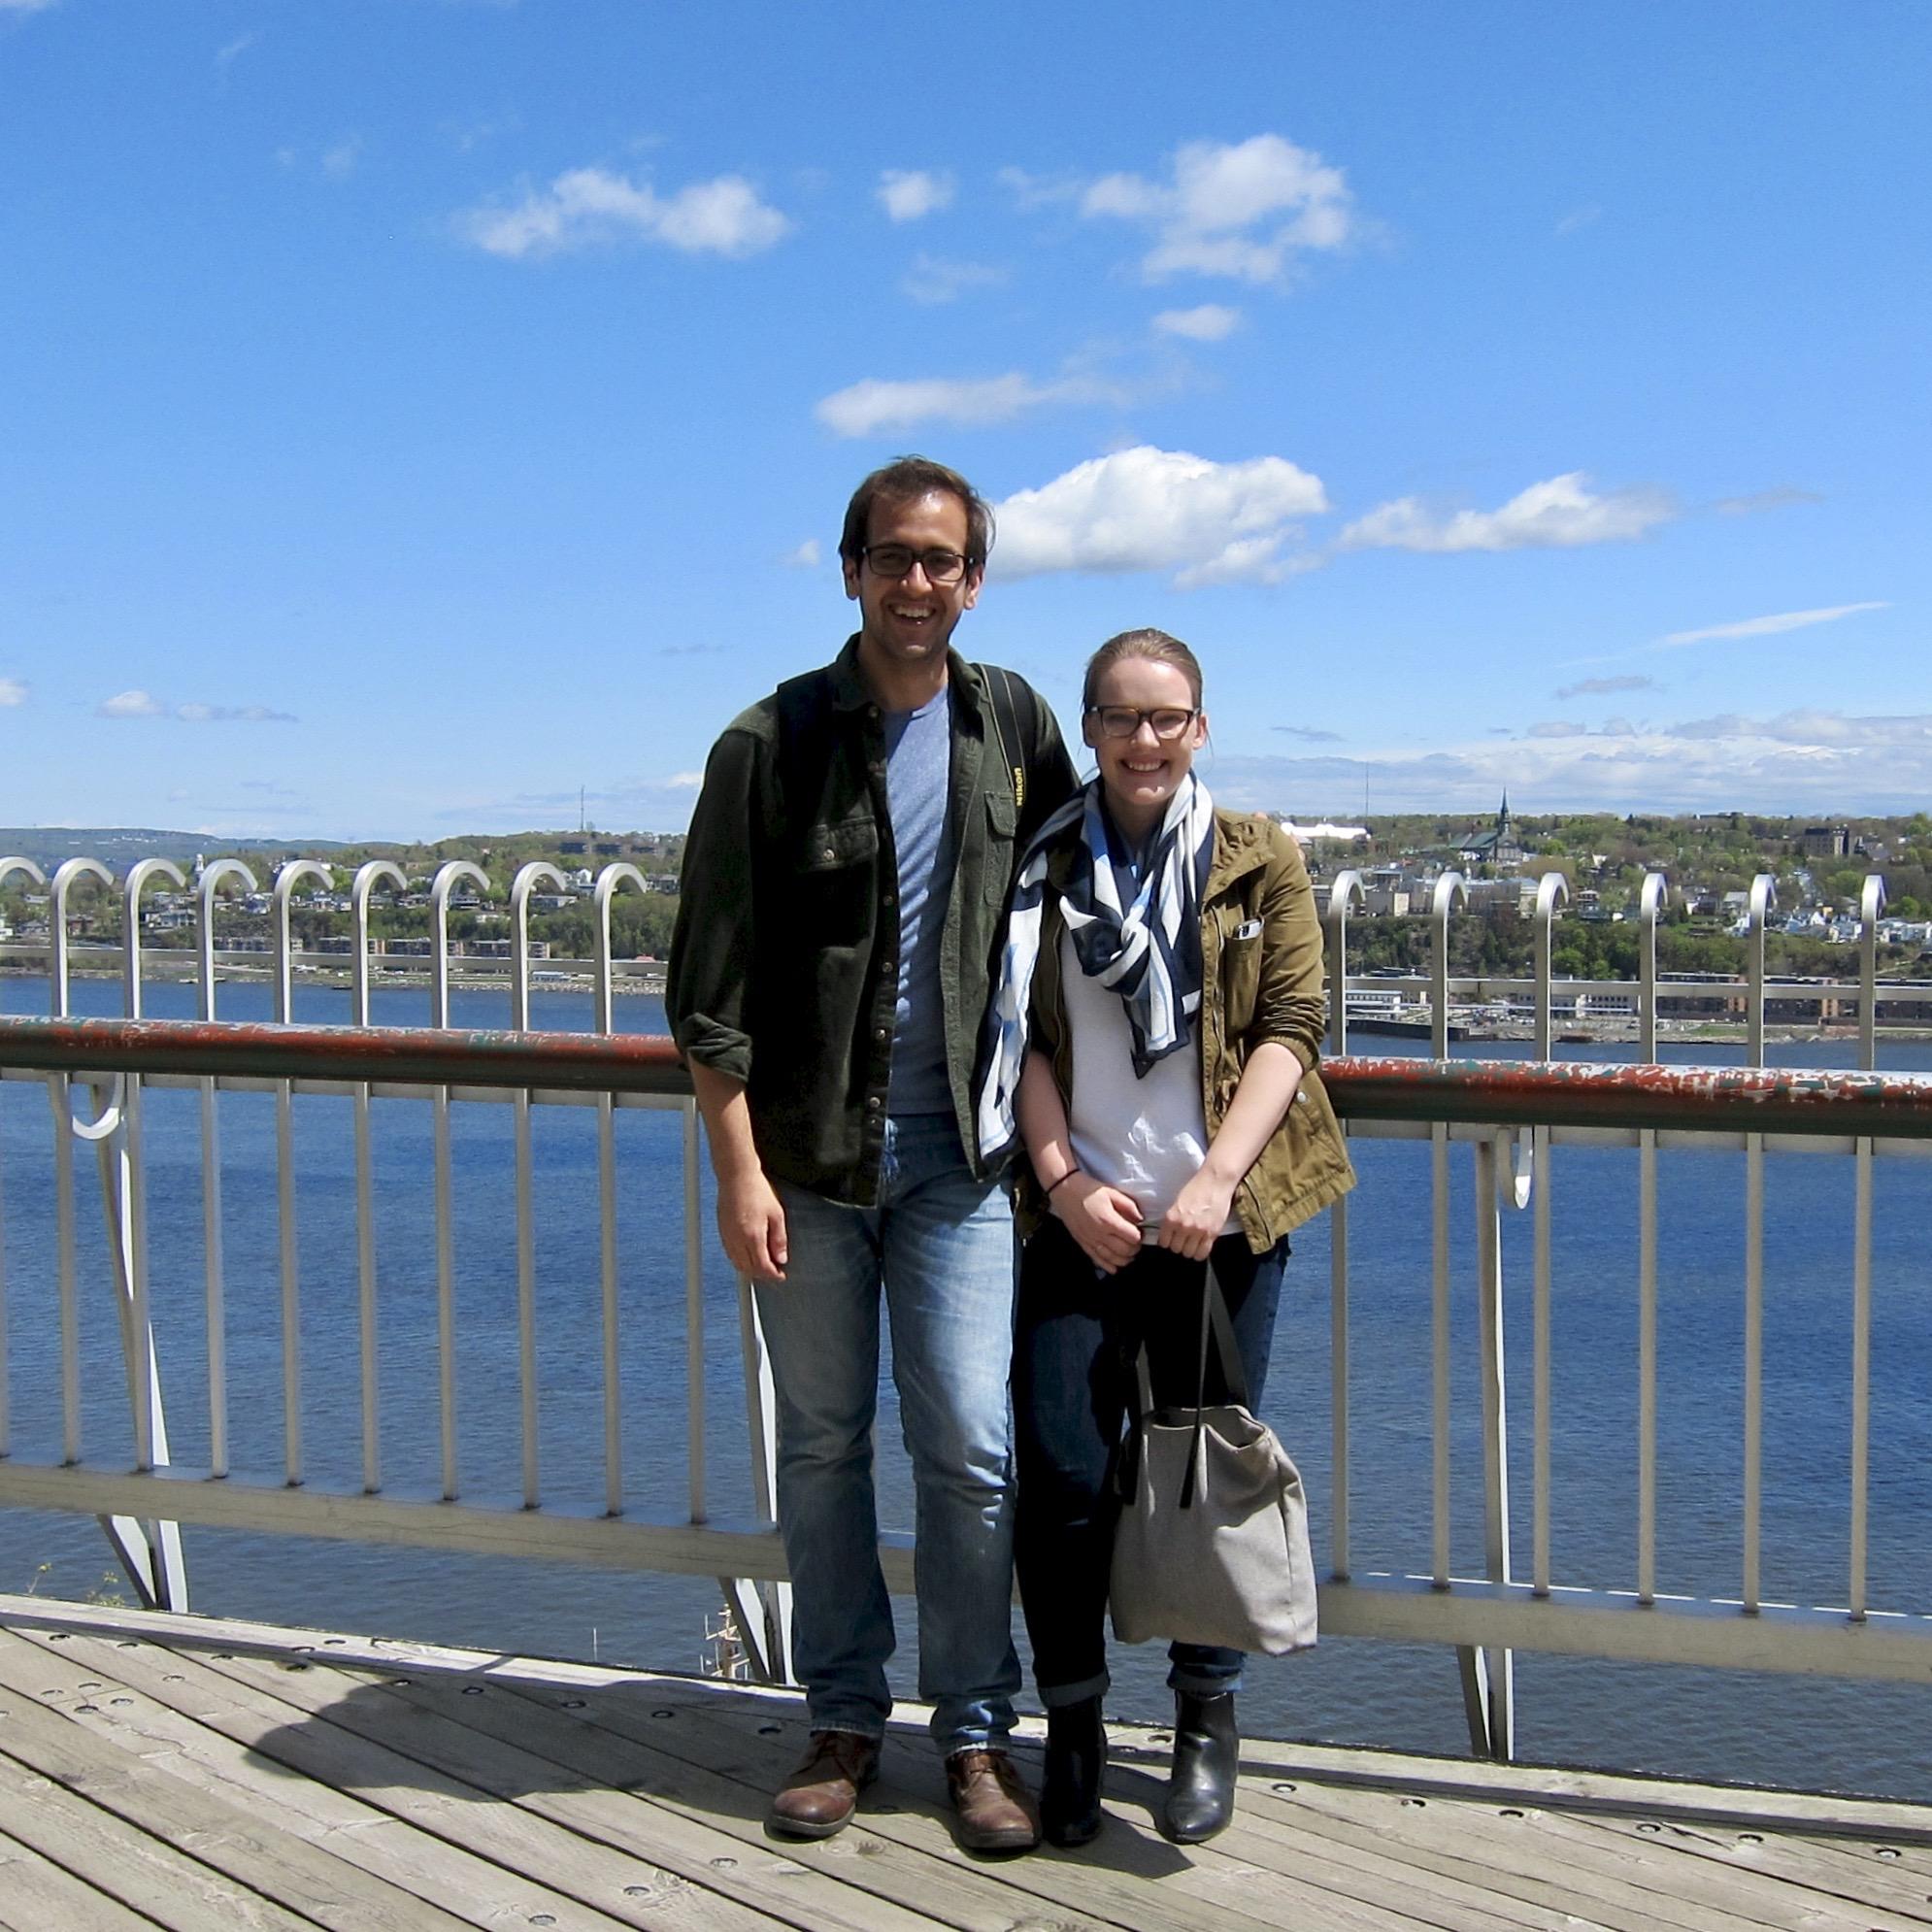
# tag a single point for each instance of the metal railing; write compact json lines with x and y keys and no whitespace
{"x":1513,"y":1115}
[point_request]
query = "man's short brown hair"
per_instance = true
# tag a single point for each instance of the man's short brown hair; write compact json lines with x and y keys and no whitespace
{"x":902,"y":480}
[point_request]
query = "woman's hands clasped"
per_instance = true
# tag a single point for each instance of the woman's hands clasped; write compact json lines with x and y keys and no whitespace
{"x":1105,"y":1222}
{"x":1200,"y":1211}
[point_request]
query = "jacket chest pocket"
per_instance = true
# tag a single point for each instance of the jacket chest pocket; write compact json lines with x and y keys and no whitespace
{"x":1001,"y":829}
{"x":834,"y":882}
{"x":1239,"y":971}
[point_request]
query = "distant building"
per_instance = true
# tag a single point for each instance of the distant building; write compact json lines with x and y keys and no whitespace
{"x":1325,"y":829}
{"x":1827,"y":840}
{"x":1499,"y":845}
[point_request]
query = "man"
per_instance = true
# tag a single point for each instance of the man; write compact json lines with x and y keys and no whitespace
{"x":845,"y":877}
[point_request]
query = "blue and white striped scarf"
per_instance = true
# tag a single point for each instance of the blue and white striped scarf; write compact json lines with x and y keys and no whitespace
{"x":1147,"y":951}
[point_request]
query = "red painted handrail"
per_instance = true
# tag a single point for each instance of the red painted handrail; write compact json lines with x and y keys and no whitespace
{"x":1781,"y":1100}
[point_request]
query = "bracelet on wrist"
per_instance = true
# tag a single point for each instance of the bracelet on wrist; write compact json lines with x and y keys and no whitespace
{"x":1063,"y":1179}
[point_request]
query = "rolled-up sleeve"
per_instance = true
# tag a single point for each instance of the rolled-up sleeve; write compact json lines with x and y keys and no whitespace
{"x":707,"y":983}
{"x":1293,"y":1005}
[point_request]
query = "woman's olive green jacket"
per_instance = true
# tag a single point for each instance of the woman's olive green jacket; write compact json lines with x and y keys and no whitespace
{"x":1261,"y":980}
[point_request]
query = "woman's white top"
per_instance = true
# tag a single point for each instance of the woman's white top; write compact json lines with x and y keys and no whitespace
{"x":1146,"y":1137}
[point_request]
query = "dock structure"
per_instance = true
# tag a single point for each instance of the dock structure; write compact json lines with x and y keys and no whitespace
{"x":186,"y":1773}
{"x":158,"y":1769}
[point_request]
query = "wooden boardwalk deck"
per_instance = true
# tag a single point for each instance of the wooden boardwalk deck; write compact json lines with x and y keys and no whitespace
{"x":166,"y":1771}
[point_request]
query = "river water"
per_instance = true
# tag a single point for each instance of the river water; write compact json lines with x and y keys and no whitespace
{"x":1755,"y":1727}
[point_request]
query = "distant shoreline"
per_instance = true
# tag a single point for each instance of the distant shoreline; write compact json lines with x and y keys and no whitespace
{"x":631,"y":985}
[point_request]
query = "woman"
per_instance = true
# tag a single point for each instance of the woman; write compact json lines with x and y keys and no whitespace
{"x":1155,"y":1033}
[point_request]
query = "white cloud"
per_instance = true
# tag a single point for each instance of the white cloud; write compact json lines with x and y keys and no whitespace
{"x":932,"y":281}
{"x":1242,"y":209}
{"x":588,"y":206}
{"x":805,"y":556}
{"x":130,"y":703}
{"x":235,"y":48}
{"x":1597,"y":688}
{"x":143,"y":704}
{"x":1809,"y":761}
{"x":1147,"y":509}
{"x":338,"y":162}
{"x":1030,"y":190}
{"x":868,"y":408}
{"x":13,"y":693}
{"x":24,"y":6}
{"x":1580,"y":218}
{"x":1210,"y":322}
{"x":1561,"y":514}
{"x":683,"y":780}
{"x":200,"y":714}
{"x":1787,"y":620}
{"x":1782,"y":496}
{"x":911,"y":195}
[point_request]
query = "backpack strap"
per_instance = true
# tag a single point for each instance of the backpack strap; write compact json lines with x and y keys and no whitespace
{"x":1006,"y":696}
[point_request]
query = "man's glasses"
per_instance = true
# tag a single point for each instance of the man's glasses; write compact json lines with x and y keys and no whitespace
{"x":1123,"y":720}
{"x":896,"y":560}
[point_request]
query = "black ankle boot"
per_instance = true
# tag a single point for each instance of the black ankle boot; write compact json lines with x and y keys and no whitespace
{"x":1200,"y":1788}
{"x":1076,"y":1758}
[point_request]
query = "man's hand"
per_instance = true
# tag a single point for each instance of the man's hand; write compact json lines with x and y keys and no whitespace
{"x":750,"y":1223}
{"x":1192,"y":1225}
{"x":1106,"y":1223}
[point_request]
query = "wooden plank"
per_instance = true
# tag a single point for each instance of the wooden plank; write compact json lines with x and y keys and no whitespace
{"x":626,"y":1803}
{"x":700,"y":1785}
{"x":1896,"y":1879}
{"x":1542,"y":1856}
{"x":123,"y":1863}
{"x":1365,"y":1870}
{"x":235,"y":1752}
{"x":1663,"y":1854}
{"x":1131,"y":1879}
{"x":36,"y":1895}
{"x":241,"y":1843}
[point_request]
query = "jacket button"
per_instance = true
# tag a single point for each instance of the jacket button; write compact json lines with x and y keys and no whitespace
{"x":829,"y":854}
{"x":871,"y":1103}
{"x":881,"y":1034}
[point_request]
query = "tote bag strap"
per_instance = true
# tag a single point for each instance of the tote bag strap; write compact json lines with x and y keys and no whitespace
{"x":1215,"y":1321}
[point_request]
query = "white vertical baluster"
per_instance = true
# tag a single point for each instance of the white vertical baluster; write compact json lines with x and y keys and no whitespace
{"x":520,"y":889}
{"x":1763,"y":898}
{"x":695,"y":1316}
{"x":608,"y":881}
{"x":441,"y":887}
{"x":1551,"y":890}
{"x":365,"y":881}
{"x":1872,"y":906}
{"x":1346,"y":890}
{"x":293,"y":872}
{"x":28,"y":870}
{"x":60,"y":1090}
{"x":1650,"y":904}
{"x":215,"y":1292}
{"x":1488,"y":1675}
{"x":1450,"y":890}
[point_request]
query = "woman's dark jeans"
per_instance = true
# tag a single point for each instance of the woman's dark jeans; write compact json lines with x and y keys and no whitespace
{"x":1073,"y":1382}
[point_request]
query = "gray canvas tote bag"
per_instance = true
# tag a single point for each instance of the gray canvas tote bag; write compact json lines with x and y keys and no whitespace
{"x":1212,"y":1544}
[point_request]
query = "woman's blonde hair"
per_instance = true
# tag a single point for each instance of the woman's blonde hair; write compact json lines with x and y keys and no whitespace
{"x":1152,"y":644}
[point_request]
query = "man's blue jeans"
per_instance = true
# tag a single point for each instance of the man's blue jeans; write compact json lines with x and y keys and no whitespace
{"x":941,"y":1246}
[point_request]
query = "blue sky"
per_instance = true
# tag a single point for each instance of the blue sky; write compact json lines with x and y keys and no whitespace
{"x":412,"y":411}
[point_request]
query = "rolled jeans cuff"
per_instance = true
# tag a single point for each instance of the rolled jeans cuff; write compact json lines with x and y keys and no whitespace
{"x":1057,"y":1696}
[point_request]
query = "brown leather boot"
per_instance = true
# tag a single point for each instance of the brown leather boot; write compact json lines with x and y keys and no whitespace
{"x":997,"y":1811}
{"x":819,"y":1797}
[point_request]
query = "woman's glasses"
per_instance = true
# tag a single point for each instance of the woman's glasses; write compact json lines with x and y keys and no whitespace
{"x":1123,"y":720}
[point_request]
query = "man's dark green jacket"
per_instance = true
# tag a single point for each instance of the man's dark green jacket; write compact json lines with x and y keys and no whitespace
{"x":785,"y":960}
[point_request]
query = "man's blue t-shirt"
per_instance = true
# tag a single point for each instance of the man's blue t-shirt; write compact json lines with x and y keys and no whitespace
{"x":919,"y":773}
